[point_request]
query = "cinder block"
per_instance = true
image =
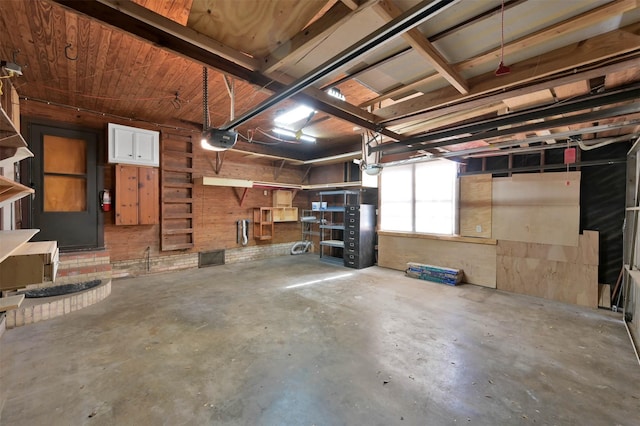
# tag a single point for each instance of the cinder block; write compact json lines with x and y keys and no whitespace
{"x":19,"y":317}
{"x":28,"y":314}
{"x":11,"y":319}
{"x":37,"y":313}
{"x":45,"y":311}
{"x":67,"y":305}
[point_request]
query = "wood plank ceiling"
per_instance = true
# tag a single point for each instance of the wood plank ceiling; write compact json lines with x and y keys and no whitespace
{"x":143,"y":60}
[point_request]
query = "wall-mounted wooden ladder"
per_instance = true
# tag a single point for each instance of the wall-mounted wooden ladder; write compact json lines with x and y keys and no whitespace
{"x":177,"y":193}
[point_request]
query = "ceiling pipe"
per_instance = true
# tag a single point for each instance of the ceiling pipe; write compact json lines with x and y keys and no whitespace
{"x":444,"y":137}
{"x":516,"y":142}
{"x":560,"y":166}
{"x":593,"y":144}
{"x":408,"y":20}
{"x":510,"y":143}
{"x":559,"y":122}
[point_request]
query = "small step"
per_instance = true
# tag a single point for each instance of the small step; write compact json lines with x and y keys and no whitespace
{"x":11,"y":303}
{"x":44,"y":308}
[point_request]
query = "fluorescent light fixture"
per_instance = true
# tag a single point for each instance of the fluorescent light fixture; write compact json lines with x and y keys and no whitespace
{"x":295,"y":135}
{"x":294,"y":115}
{"x":336,"y":93}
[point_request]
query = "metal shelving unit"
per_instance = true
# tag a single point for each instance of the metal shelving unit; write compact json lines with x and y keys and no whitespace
{"x":347,"y":229}
{"x":332,"y":219}
{"x":309,"y":219}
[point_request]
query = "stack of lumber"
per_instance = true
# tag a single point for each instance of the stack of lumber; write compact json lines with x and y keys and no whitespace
{"x":433,"y":273}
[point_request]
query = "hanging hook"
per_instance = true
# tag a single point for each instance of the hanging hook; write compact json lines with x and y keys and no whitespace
{"x":66,"y":53}
{"x":176,"y":102}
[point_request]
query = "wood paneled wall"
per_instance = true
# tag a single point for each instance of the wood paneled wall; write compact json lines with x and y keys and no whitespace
{"x":475,"y":206}
{"x":328,"y":173}
{"x":477,"y":259}
{"x":216,"y":209}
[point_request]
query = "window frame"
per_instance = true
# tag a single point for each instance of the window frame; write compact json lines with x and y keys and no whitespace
{"x":413,"y":202}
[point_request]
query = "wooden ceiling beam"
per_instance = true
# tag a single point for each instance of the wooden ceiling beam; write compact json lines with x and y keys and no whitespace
{"x":310,"y":36}
{"x":571,"y":78}
{"x":176,"y":10}
{"x":593,"y":50}
{"x":402,"y":90}
{"x":185,"y":33}
{"x":422,"y":126}
{"x":581,"y":21}
{"x":389,"y":11}
{"x":351,"y":4}
{"x":109,"y":12}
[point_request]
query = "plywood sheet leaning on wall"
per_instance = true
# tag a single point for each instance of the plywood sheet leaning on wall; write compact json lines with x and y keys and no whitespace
{"x":478,"y":261}
{"x":564,"y":273}
{"x":475,"y":206}
{"x":537,"y":208}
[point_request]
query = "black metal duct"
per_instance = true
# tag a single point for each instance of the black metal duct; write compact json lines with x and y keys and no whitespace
{"x":486,"y":128}
{"x":403,"y":23}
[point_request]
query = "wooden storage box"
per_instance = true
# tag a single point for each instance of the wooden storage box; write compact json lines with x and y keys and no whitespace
{"x":282,"y":198}
{"x":32,"y":263}
{"x":285,"y":214}
{"x":263,"y":223}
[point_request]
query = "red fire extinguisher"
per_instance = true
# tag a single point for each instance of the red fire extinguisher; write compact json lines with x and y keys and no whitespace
{"x":105,"y":201}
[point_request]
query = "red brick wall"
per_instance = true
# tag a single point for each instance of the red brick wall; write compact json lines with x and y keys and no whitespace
{"x":216,"y":209}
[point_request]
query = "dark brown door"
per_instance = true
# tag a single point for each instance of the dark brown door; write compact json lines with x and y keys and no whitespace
{"x":65,"y":177}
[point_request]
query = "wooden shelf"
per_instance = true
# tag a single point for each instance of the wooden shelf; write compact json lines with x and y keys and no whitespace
{"x":243,"y":183}
{"x":11,"y":191}
{"x":10,"y":303}
{"x":263,"y":223}
{"x":332,"y":243}
{"x":19,"y":154}
{"x":31,"y":263}
{"x":9,"y":136}
{"x":10,"y":241}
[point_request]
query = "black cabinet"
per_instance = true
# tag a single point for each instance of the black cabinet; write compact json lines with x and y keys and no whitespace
{"x":359,"y":236}
{"x":347,"y":229}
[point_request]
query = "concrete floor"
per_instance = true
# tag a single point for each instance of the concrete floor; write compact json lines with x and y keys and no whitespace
{"x":294,"y":341}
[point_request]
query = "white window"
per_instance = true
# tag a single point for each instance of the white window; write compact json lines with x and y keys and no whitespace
{"x":419,"y":197}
